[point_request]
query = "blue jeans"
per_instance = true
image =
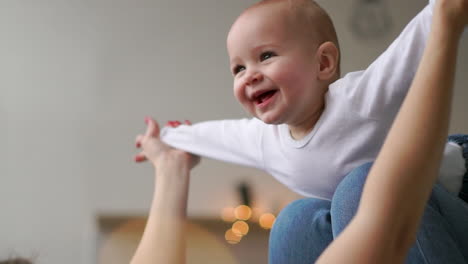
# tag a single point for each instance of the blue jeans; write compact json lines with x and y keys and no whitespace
{"x":306,"y":227}
{"x":462,"y":140}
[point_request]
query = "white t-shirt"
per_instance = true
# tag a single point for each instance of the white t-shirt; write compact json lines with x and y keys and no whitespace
{"x":360,"y":108}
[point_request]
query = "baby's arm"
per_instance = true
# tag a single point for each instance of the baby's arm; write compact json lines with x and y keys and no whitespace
{"x":390,"y":210}
{"x":234,"y":141}
{"x":378,"y":91}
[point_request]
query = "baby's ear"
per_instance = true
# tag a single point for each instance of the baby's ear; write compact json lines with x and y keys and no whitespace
{"x":329,"y":57}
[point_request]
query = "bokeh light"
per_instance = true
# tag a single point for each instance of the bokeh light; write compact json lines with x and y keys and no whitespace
{"x":240,"y":228}
{"x":267,"y":220}
{"x":243,"y":212}
{"x":228,"y":214}
{"x":231,"y":237}
{"x":256,"y":213}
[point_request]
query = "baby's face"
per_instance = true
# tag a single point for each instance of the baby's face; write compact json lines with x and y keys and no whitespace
{"x":274,"y":68}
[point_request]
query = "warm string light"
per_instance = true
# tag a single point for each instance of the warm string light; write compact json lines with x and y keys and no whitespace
{"x":240,"y":228}
{"x":256,"y":213}
{"x":239,"y":217}
{"x":243,"y":212}
{"x":231,"y":237}
{"x":267,"y":220}
{"x":228,"y":214}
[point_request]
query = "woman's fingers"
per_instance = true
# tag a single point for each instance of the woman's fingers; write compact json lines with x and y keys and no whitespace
{"x":153,"y":128}
{"x":138,"y":140}
{"x":140,"y":157}
{"x":173,"y":123}
{"x":152,"y":146}
{"x":177,"y":123}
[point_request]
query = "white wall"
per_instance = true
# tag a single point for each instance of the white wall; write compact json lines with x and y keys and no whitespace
{"x":77,"y":78}
{"x":48,"y":65}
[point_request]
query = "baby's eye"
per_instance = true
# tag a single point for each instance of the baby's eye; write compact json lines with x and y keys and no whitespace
{"x":266,"y":55}
{"x":237,"y":69}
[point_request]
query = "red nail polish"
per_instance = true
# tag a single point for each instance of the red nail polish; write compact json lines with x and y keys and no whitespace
{"x":147,"y":119}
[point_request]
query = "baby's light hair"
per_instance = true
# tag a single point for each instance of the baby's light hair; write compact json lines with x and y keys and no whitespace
{"x":314,"y":20}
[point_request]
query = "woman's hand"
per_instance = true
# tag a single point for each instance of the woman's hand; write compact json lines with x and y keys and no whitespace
{"x":168,"y":213}
{"x":157,"y":152}
{"x":454,"y":13}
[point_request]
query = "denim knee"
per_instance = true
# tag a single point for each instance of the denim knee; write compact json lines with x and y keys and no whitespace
{"x":346,"y":198}
{"x":462,"y":140}
{"x":301,"y":232}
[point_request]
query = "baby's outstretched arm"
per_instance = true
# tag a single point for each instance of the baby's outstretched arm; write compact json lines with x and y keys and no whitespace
{"x":378,"y":91}
{"x":390,"y":210}
{"x":233,"y":141}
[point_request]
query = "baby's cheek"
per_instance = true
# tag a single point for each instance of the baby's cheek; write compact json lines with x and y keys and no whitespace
{"x":239,"y":94}
{"x":288,"y":73}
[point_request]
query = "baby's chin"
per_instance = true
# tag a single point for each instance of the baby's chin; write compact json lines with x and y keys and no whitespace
{"x":270,"y":117}
{"x":270,"y":120}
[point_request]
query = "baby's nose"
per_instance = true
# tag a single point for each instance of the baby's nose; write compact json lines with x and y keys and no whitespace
{"x":254,"y":78}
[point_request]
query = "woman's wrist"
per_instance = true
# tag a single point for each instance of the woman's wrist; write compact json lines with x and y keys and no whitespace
{"x":171,"y":178}
{"x":172,"y":182}
{"x":448,"y":19}
{"x":173,"y":165}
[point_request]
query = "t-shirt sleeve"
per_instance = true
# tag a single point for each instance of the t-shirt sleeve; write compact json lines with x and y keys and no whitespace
{"x":380,"y":89}
{"x":234,"y":141}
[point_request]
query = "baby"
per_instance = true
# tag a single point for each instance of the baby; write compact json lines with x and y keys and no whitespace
{"x":310,"y":128}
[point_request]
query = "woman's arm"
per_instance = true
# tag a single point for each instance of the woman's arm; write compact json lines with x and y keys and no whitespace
{"x":391,"y":207}
{"x":164,"y":238}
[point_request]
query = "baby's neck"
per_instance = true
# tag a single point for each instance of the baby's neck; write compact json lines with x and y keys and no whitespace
{"x":300,"y":130}
{"x":297,"y":133}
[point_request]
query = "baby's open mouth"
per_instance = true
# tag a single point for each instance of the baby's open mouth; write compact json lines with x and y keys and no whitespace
{"x":264,"y":96}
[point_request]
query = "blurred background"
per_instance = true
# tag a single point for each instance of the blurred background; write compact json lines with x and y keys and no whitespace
{"x":77,"y":78}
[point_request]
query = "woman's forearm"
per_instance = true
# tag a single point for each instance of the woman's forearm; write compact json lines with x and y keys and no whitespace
{"x":404,"y":173}
{"x":164,"y":238}
{"x":402,"y":177}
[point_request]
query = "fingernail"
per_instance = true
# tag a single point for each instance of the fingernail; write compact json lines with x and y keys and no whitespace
{"x":147,"y":119}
